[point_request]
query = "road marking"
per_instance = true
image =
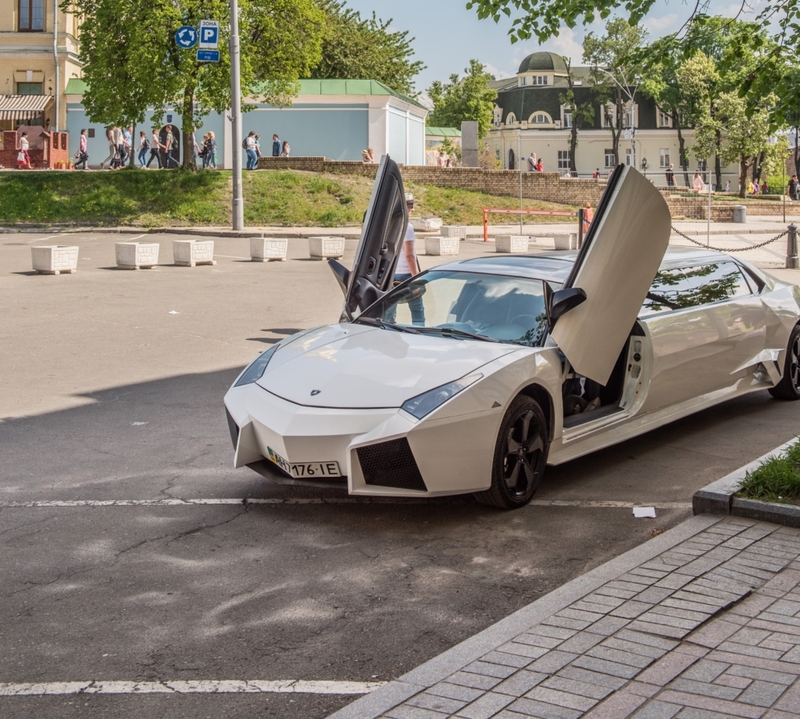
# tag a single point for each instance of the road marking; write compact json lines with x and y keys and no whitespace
{"x":175,"y":502}
{"x":232,"y":257}
{"x":225,"y":686}
{"x":42,"y":239}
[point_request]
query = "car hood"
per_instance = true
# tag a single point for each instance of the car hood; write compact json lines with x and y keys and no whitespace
{"x":355,"y":366}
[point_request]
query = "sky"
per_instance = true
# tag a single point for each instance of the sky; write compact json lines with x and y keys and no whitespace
{"x":448,"y":35}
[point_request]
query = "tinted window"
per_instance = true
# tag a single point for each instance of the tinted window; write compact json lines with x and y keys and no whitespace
{"x":693,"y":286}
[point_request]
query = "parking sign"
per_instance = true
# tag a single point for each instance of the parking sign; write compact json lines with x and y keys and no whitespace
{"x":209,"y":35}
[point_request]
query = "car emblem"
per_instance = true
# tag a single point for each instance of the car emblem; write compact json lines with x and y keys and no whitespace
{"x":314,"y":392}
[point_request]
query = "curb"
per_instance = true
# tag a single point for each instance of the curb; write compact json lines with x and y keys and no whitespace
{"x":718,"y":497}
{"x":434,"y":670}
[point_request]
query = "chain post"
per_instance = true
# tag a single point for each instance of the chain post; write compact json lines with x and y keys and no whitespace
{"x":580,"y":228}
{"x":791,"y":248}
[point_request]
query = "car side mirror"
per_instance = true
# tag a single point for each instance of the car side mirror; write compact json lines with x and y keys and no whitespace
{"x":562,"y":301}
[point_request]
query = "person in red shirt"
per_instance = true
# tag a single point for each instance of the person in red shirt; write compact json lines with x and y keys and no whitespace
{"x":540,"y":166}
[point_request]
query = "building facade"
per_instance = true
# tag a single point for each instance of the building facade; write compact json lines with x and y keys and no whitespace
{"x":38,"y":56}
{"x":530,"y":117}
{"x":336,"y":119}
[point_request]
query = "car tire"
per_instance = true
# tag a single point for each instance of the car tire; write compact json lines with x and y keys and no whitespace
{"x":520,"y":456}
{"x":789,"y":386}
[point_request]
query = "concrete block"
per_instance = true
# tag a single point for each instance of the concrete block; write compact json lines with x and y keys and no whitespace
{"x":55,"y":259}
{"x":320,"y":248}
{"x":265,"y":249}
{"x":188,"y":253}
{"x":426,"y":224}
{"x":441,"y":245}
{"x":566,"y":241}
{"x":136,"y":255}
{"x":511,"y":243}
{"x":454,"y":231}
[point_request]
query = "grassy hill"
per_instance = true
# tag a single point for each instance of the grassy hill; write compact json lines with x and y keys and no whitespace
{"x":158,"y":198}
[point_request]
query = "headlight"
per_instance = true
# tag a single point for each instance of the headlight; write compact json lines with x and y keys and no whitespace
{"x":256,"y":367}
{"x":423,"y":404}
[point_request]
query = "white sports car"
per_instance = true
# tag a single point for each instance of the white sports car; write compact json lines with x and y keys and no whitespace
{"x":474,"y":375}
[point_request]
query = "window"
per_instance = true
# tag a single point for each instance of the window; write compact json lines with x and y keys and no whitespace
{"x":563,"y":160}
{"x":31,"y":15}
{"x":29,"y":88}
{"x":628,"y":156}
{"x":511,"y":118}
{"x":630,"y":115}
{"x":540,"y":118}
{"x":664,"y":118}
{"x":663,"y":157}
{"x":609,"y":159}
{"x":523,"y":81}
{"x":539,"y":80}
{"x":692,"y":286}
{"x":566,"y":117}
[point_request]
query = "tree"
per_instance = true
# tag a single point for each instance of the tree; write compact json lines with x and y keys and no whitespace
{"x":131,"y":60}
{"x":467,"y":98}
{"x":580,"y":113}
{"x":614,"y":74}
{"x":366,"y":49}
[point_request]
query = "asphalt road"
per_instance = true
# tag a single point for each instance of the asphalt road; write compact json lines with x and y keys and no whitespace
{"x":105,"y":395}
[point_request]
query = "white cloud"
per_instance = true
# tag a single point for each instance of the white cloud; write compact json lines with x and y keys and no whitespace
{"x":665,"y":23}
{"x":498,"y":74}
{"x":565,"y":43}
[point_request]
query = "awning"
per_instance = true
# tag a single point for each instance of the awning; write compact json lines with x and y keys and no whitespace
{"x":23,"y":107}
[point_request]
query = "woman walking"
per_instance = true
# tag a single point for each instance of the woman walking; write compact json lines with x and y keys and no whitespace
{"x":210,"y":156}
{"x":23,"y":158}
{"x":286,"y":149}
{"x":155,"y":146}
{"x":83,"y":155}
{"x":144,"y":146}
{"x":250,"y":149}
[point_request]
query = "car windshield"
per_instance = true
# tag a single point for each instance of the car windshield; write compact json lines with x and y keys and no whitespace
{"x":465,"y":305}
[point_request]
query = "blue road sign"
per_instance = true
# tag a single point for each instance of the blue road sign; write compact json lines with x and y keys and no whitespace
{"x":209,"y":34}
{"x":186,"y":37}
{"x":208,"y":56}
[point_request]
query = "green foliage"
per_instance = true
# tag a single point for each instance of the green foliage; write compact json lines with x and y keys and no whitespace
{"x":467,"y":98}
{"x":776,"y":480}
{"x":368,"y":49}
{"x":131,"y":61}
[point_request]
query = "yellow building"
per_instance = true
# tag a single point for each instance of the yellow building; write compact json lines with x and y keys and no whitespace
{"x":36,"y":63}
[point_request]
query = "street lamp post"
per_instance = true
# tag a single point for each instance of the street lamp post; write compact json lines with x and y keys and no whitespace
{"x":236,"y":119}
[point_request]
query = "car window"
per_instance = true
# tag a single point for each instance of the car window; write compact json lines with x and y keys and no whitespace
{"x":508,"y":309}
{"x":675,"y":289}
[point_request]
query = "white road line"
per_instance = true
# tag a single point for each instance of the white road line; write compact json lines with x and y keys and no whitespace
{"x":138,"y":237}
{"x":67,"y":503}
{"x":225,"y":686}
{"x":42,"y":239}
{"x":232,"y":257}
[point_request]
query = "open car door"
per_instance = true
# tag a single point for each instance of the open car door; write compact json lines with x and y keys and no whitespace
{"x":615,"y":268}
{"x":380,"y":244}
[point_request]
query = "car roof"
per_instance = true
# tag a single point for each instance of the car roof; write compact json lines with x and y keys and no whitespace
{"x":556,"y":266}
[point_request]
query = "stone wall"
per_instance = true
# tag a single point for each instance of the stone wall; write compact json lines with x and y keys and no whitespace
{"x":546,"y":186}
{"x":45,"y":148}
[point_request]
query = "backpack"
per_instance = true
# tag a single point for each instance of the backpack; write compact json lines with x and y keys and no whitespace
{"x":244,"y":144}
{"x":146,"y":144}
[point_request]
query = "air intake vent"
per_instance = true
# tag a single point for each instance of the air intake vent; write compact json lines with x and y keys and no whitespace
{"x":390,"y":464}
{"x":233,"y":428}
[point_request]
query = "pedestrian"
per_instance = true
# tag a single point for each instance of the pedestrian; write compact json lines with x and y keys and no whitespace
{"x":116,"y":163}
{"x":697,"y":183}
{"x":407,"y":267}
{"x":793,"y":187}
{"x":670,"y":174}
{"x":540,"y":166}
{"x":756,"y":187}
{"x":23,"y":157}
{"x":127,"y":142}
{"x":169,"y":143}
{"x":276,"y":146}
{"x":250,"y":149}
{"x":727,"y":186}
{"x":155,"y":148}
{"x":258,"y":145}
{"x":112,"y":148}
{"x":596,"y":174}
{"x":588,"y":216}
{"x":210,"y":157}
{"x":532,"y":162}
{"x":144,"y":146}
{"x":750,"y":187}
{"x":285,"y":150}
{"x":82,"y":155}
{"x":370,"y":155}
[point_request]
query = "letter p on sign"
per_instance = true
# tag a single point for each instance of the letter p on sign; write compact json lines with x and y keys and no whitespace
{"x":209,"y":35}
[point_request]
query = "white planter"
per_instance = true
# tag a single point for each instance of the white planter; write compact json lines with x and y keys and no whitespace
{"x":320,"y":248}
{"x":566,"y":241}
{"x":454,"y":231}
{"x":511,"y":243}
{"x":136,"y":255}
{"x":188,"y":253}
{"x":426,"y":224}
{"x":441,"y":245}
{"x":264,"y":249}
{"x":55,"y":259}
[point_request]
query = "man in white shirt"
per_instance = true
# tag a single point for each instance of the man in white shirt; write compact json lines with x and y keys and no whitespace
{"x":532,"y":162}
{"x":407,"y":267}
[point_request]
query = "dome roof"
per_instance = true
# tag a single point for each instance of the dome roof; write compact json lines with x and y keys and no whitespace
{"x":543,"y":61}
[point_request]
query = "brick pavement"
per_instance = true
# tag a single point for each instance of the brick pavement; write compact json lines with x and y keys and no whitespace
{"x":708,"y":628}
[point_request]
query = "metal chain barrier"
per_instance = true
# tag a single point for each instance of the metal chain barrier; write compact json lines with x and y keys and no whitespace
{"x":729,"y":249}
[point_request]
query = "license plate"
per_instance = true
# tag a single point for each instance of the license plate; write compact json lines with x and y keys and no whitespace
{"x":305,"y":470}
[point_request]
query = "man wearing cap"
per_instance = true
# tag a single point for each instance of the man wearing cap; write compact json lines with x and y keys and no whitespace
{"x":407,"y":267}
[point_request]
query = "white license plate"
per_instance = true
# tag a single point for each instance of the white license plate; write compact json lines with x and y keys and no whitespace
{"x":305,"y":470}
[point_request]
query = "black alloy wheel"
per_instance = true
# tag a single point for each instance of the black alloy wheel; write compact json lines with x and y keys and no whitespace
{"x":789,"y":386}
{"x":520,"y":456}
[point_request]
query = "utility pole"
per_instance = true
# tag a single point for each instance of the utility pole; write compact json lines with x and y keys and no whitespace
{"x":236,"y":119}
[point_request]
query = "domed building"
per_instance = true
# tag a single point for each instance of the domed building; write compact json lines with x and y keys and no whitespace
{"x":532,"y":115}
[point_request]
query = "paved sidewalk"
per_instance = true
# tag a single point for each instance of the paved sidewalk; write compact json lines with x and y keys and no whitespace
{"x":700,"y":622}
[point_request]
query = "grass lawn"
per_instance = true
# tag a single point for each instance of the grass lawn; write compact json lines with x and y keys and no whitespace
{"x":177,"y":197}
{"x":776,"y":480}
